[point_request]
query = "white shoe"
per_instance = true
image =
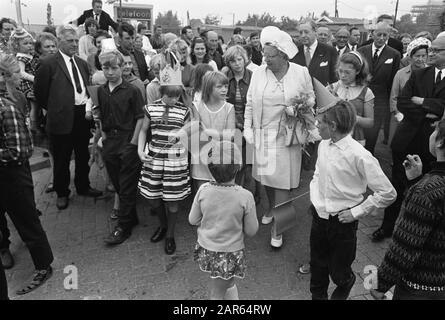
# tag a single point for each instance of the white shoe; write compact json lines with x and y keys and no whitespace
{"x":276,"y":242}
{"x":266,"y":220}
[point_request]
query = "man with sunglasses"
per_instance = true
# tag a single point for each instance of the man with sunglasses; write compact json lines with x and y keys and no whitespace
{"x":422,"y":102}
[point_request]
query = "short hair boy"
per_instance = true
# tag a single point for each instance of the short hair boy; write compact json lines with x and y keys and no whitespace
{"x":120,"y":113}
{"x":343,"y":171}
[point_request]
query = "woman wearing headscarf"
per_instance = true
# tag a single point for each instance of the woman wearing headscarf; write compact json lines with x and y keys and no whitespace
{"x":273,"y":88}
{"x":417,"y":52}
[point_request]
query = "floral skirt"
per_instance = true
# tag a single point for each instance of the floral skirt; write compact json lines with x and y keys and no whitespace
{"x":224,"y":265}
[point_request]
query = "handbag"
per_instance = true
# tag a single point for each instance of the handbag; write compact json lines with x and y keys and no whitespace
{"x":295,"y":135}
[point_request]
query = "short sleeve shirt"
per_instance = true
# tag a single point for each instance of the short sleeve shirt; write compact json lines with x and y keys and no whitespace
{"x":121,"y":108}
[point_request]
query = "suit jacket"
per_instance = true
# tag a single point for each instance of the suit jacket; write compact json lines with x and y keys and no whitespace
{"x":420,"y":84}
{"x":383,"y":73}
{"x":142,"y":64}
{"x":323,"y":63}
{"x":105,"y":20}
{"x":393,"y":43}
{"x":346,"y":50}
{"x":54,"y":92}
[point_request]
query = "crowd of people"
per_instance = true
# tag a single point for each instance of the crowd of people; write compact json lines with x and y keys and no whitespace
{"x":173,"y":117}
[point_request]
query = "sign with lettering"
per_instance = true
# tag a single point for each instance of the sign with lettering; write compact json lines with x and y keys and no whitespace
{"x":134,"y":13}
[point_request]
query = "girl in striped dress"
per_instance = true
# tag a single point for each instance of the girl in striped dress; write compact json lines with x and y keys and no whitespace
{"x":165,"y":175}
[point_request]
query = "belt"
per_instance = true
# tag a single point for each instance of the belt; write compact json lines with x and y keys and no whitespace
{"x":116,"y":132}
{"x":12,"y":164}
{"x":417,"y":286}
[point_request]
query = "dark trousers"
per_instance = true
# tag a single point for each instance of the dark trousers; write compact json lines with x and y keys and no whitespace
{"x":63,"y":146}
{"x":124,"y":168}
{"x":17,"y":198}
{"x":3,"y":284}
{"x":4,"y":243}
{"x":382,"y":116}
{"x":403,"y":292}
{"x":333,"y":247}
{"x":420,"y":146}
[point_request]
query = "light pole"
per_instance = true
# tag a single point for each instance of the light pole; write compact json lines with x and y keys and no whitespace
{"x":395,"y":14}
{"x":18,"y":8}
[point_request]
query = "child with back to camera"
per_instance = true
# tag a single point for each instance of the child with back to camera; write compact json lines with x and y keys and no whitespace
{"x":224,"y":212}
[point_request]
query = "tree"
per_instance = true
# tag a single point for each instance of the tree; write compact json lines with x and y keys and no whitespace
{"x":260,"y":21}
{"x":406,"y":24}
{"x":288,"y":23}
{"x":49,"y":19}
{"x":213,"y":19}
{"x":168,"y":20}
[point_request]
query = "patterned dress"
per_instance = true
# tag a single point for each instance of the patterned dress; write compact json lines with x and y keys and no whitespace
{"x":166,"y":175}
{"x":26,"y":86}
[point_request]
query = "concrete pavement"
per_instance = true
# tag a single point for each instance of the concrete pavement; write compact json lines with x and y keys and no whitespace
{"x":139,"y":269}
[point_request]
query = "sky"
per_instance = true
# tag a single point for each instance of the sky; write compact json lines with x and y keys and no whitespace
{"x":35,"y":10}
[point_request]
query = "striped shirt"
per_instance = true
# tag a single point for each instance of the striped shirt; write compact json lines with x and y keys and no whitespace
{"x":15,"y":137}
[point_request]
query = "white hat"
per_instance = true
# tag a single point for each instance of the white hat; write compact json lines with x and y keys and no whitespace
{"x":108,"y":45}
{"x":279,"y":39}
{"x":442,"y":34}
{"x":417,"y":43}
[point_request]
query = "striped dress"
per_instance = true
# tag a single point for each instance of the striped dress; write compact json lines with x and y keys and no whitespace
{"x":166,"y":175}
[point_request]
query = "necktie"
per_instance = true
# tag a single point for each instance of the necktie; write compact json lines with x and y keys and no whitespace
{"x":439,"y":77}
{"x":76,"y":76}
{"x":96,"y":17}
{"x":307,"y":56}
{"x":338,"y":51}
{"x":375,"y":58}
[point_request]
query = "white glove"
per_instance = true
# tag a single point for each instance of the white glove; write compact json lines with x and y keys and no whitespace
{"x":248,"y":135}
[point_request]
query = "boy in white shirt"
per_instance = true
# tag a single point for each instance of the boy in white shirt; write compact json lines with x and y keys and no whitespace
{"x":343,"y":171}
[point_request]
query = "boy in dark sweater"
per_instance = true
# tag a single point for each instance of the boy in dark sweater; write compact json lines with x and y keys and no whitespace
{"x":120,"y":114}
{"x":415,"y":261}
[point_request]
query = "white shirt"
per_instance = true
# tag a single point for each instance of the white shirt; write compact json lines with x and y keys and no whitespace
{"x":437,"y":71}
{"x":352,"y":47}
{"x":146,"y":45}
{"x":341,"y":50}
{"x":342,"y":174}
{"x":252,"y":66}
{"x":79,"y":98}
{"x":374,"y":48}
{"x":312,"y":48}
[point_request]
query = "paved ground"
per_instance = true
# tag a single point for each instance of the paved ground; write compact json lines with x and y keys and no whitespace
{"x":138,"y":269}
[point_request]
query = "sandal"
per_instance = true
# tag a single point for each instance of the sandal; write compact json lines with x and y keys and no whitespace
{"x":114,"y":214}
{"x":39,"y":278}
{"x":305,"y":268}
{"x":50,"y":188}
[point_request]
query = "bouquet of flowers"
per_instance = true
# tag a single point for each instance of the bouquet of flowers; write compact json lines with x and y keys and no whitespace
{"x":301,"y":120}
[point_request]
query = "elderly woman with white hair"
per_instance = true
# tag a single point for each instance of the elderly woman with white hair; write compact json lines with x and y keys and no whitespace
{"x":274,"y":88}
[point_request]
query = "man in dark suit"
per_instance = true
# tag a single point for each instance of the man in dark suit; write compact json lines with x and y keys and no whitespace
{"x":321,"y":59}
{"x":60,"y":87}
{"x":354,"y":38}
{"x":102,"y":18}
{"x":341,"y":41}
{"x":392,"y":42}
{"x":383,"y":63}
{"x":422,"y":103}
{"x":126,"y":41}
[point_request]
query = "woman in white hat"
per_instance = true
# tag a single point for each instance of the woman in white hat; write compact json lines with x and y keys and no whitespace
{"x":273,"y":87}
{"x":417,"y":52}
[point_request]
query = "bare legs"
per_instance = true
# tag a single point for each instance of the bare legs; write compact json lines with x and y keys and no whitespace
{"x":223,"y":289}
